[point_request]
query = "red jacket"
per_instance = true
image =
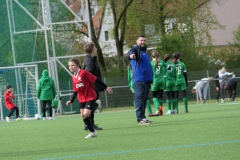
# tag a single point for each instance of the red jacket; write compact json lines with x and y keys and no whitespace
{"x":8,"y":96}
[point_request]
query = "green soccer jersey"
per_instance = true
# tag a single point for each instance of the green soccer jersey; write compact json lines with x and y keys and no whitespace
{"x":170,"y":72}
{"x":159,"y":73}
{"x":180,"y":79}
{"x":170,"y":76}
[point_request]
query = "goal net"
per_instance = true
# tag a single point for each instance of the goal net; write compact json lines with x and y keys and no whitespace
{"x":23,"y":79}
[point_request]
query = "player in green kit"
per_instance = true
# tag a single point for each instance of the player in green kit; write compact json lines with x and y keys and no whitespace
{"x":157,"y":87}
{"x":181,"y":80}
{"x":170,"y":88}
{"x":130,"y":83}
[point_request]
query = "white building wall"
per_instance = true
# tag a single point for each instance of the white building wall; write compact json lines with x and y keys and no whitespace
{"x":108,"y":47}
{"x":228,"y":14}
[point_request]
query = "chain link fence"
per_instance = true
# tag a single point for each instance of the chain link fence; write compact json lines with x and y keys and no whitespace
{"x":123,"y":97}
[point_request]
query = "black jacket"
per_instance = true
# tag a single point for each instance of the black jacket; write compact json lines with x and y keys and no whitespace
{"x":231,"y":84}
{"x":90,"y":64}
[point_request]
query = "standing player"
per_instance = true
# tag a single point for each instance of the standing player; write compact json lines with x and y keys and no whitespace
{"x":82,"y":82}
{"x":170,"y":89}
{"x":181,"y":80}
{"x":158,"y":67}
{"x":8,"y":96}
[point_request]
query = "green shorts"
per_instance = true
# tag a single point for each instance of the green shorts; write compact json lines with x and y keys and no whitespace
{"x":181,"y":87}
{"x":157,"y":85}
{"x":170,"y":86}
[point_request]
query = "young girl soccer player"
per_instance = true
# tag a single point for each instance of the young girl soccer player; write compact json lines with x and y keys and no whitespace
{"x":82,"y":83}
{"x":8,"y":96}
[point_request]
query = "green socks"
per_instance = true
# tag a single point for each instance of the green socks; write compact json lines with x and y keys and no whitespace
{"x":148,"y":106}
{"x":168,"y":104}
{"x":156,"y":103}
{"x":185,"y":101}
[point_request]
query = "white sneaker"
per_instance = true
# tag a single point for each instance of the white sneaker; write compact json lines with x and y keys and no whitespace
{"x":50,"y":118}
{"x":44,"y":118}
{"x":143,"y":123}
{"x":169,"y":112}
{"x":146,"y":120}
{"x":222,"y":101}
{"x":91,"y":135}
{"x":7,"y":119}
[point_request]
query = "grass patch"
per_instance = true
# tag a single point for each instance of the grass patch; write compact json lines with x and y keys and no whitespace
{"x":209,"y":131}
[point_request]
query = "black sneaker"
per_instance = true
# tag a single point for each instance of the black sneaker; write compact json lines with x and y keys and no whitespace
{"x":85,"y":128}
{"x":96,"y":127}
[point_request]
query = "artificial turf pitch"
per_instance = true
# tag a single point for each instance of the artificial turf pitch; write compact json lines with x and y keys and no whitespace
{"x":207,"y":132}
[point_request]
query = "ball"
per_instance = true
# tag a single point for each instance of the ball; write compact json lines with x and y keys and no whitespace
{"x":37,"y":116}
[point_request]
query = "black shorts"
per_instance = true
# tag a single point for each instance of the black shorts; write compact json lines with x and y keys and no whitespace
{"x":91,"y":105}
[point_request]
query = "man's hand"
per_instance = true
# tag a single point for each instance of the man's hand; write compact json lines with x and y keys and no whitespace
{"x":132,"y":56}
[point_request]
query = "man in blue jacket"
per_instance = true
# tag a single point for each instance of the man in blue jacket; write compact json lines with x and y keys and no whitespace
{"x":142,"y":75}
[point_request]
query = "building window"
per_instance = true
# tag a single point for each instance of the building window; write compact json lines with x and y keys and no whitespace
{"x":92,"y":11}
{"x":106,"y":36}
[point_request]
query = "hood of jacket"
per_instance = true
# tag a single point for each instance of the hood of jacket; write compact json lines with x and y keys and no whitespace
{"x":45,"y":77}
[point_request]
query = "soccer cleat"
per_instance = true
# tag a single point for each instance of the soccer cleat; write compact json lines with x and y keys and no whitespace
{"x":153,"y":115}
{"x":50,"y":118}
{"x":7,"y":119}
{"x":169,"y":112}
{"x":160,"y":110}
{"x":91,"y":135}
{"x":143,"y":122}
{"x":44,"y":118}
{"x":186,"y":111}
{"x":95,"y":126}
{"x":222,"y":101}
{"x":19,"y":119}
{"x":217,"y":101}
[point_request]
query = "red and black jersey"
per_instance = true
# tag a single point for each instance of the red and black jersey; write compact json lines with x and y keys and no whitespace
{"x":82,"y":83}
{"x":8,"y":96}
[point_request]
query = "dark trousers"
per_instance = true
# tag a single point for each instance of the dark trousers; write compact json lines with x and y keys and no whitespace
{"x":218,"y":93}
{"x":12,"y":110}
{"x":49,"y":104}
{"x":141,"y":90}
